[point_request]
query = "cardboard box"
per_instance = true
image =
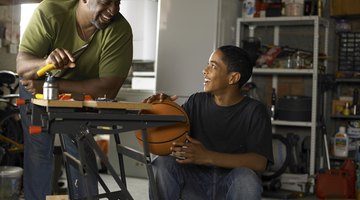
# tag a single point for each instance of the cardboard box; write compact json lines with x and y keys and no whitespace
{"x":344,"y":7}
{"x":295,"y":182}
{"x":338,"y":106}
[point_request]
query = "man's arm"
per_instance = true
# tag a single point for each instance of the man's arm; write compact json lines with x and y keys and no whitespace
{"x":100,"y":87}
{"x":28,"y":65}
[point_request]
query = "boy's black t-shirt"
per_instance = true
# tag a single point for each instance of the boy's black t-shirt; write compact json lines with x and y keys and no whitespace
{"x":241,"y":128}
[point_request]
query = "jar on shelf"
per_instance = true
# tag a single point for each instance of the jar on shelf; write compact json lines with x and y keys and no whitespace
{"x":342,"y":25}
{"x":294,"y":8}
{"x":297,"y":60}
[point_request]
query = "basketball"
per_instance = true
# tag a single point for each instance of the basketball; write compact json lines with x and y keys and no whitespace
{"x":161,"y":138}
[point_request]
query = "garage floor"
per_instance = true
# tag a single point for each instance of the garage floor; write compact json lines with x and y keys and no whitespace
{"x":138,"y":188}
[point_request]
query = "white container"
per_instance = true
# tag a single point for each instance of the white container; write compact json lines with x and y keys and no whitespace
{"x":10,"y":182}
{"x":341,"y":143}
{"x":294,"y":9}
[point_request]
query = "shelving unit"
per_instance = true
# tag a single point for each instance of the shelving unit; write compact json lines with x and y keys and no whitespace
{"x":318,"y":24}
{"x":338,"y":119}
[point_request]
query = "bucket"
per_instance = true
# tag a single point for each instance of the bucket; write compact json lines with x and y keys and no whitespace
{"x":294,"y":9}
{"x":10,"y":182}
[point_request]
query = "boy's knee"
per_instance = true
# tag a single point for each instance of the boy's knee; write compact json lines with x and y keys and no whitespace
{"x":245,"y":176}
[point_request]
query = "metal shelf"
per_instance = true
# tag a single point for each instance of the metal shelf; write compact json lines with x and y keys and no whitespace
{"x":347,"y":80}
{"x":291,"y":123}
{"x":318,"y":24}
{"x":343,"y":117}
{"x":283,"y":71}
{"x":284,"y":21}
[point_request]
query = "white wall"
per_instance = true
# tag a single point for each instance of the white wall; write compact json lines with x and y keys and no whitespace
{"x":142,"y":16}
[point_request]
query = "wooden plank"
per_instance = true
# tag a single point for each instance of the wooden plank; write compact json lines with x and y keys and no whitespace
{"x":92,"y":104}
{"x":57,"y":103}
{"x":57,"y":197}
{"x":117,"y":105}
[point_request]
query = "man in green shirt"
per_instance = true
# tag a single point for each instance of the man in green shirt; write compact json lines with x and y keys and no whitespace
{"x":56,"y":30}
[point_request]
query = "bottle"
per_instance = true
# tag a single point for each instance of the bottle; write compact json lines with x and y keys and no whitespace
{"x":50,"y":88}
{"x":319,"y":7}
{"x":341,"y":143}
{"x":248,"y":9}
{"x":273,"y":103}
{"x":346,"y":110}
{"x":354,"y":106}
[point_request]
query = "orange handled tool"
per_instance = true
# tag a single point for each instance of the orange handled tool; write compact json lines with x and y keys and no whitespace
{"x":45,"y":69}
{"x":35,"y":130}
{"x":20,"y":102}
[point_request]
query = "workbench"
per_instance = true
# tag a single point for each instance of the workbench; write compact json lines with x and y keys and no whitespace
{"x":82,"y":120}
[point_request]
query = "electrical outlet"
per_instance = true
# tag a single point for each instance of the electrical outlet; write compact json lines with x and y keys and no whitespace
{"x":13,"y":48}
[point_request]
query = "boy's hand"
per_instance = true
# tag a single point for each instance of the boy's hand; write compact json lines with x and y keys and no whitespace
{"x":159,"y":97}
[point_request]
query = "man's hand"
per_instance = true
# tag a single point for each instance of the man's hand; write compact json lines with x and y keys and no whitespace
{"x":159,"y":97}
{"x":61,"y":58}
{"x":33,"y":86}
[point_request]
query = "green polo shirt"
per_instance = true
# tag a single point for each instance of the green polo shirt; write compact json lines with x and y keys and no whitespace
{"x":53,"y":25}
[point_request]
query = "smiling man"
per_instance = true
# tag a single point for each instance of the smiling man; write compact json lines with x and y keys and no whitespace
{"x":56,"y":30}
{"x":229,"y":142}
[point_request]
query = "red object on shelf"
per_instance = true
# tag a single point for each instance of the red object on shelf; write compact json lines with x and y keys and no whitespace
{"x":269,"y":56}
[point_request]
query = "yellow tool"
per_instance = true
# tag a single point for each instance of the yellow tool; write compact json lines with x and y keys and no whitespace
{"x":45,"y":69}
{"x":48,"y":67}
{"x":39,"y":96}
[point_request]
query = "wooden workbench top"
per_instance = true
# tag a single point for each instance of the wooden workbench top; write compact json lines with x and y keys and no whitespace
{"x":92,"y":104}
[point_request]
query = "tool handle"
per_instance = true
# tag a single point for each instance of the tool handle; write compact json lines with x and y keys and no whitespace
{"x":46,"y":68}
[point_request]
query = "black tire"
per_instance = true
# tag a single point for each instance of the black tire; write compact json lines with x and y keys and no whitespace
{"x":10,"y":126}
{"x":272,"y":175}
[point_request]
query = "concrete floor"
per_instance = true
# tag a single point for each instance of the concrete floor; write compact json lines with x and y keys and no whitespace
{"x":138,"y":188}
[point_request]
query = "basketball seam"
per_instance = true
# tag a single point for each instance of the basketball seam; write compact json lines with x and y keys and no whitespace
{"x":165,"y":140}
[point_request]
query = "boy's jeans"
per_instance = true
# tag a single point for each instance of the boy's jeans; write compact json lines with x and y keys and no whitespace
{"x":189,"y":182}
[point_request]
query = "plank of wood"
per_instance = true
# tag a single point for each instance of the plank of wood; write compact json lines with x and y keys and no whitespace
{"x":92,"y":104}
{"x":117,"y":105}
{"x":57,"y":103}
{"x":57,"y":197}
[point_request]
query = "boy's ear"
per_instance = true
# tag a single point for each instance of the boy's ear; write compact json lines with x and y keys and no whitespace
{"x":234,"y":78}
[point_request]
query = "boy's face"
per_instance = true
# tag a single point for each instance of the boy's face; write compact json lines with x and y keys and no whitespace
{"x":216,"y":75}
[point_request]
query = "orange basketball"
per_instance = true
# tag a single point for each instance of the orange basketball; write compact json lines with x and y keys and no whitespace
{"x":161,"y":138}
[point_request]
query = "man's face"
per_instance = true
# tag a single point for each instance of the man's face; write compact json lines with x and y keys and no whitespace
{"x":102,"y":12}
{"x":216,"y":75}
